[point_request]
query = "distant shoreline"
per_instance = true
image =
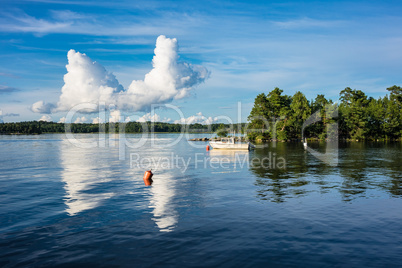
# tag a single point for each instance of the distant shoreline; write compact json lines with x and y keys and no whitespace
{"x":42,"y":127}
{"x":314,"y":140}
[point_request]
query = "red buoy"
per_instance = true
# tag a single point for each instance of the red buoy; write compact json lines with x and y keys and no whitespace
{"x":148,"y":178}
{"x":207,"y":148}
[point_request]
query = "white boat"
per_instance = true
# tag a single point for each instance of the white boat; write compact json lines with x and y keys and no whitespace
{"x":230,"y":144}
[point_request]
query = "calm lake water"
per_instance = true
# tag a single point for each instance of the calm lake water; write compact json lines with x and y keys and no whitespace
{"x":65,"y":205}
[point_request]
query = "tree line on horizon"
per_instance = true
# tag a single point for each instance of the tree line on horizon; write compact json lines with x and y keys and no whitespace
{"x":359,"y":117}
{"x":43,"y":127}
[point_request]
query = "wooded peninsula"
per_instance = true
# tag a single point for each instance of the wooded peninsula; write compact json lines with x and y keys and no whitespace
{"x":358,"y":116}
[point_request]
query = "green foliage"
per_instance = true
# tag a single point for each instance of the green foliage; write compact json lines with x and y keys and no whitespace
{"x":260,"y":138}
{"x":266,"y":113}
{"x":222,"y":131}
{"x":353,"y":109}
{"x":358,"y":117}
{"x":282,"y":135}
{"x":299,"y":111}
{"x":322,"y":136}
{"x":259,"y":112}
{"x":39,"y":127}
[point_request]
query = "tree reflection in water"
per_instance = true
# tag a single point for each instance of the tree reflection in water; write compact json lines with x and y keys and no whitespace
{"x":365,"y":170}
{"x":276,"y":183}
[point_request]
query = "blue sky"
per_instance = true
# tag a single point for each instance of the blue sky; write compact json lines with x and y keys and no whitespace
{"x":249,"y":47}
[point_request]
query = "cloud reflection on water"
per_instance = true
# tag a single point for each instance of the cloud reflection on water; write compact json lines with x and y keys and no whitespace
{"x":163,"y":191}
{"x":82,"y":172}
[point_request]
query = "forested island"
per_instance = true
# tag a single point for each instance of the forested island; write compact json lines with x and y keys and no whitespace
{"x":358,"y":116}
{"x":274,"y":116}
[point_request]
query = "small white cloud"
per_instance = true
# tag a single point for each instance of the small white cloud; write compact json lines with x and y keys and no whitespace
{"x":46,"y":118}
{"x":198,"y":118}
{"x":82,"y":119}
{"x":42,"y":107}
{"x":148,"y":117}
{"x":97,"y":120}
{"x":153,"y":118}
{"x":62,"y":120}
{"x":210,"y":120}
{"x":115,"y":116}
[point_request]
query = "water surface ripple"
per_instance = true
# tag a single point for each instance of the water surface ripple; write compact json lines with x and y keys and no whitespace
{"x":66,"y":205}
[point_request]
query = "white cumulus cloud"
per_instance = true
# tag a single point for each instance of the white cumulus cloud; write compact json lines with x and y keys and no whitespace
{"x":42,"y":107}
{"x":198,"y":118}
{"x":115,"y":116}
{"x":148,"y":117}
{"x":153,"y":118}
{"x":87,"y":81}
{"x":97,"y":120}
{"x":169,"y":79}
{"x":81,"y":119}
{"x":46,"y":118}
